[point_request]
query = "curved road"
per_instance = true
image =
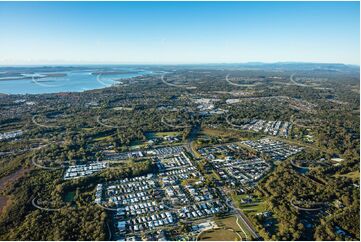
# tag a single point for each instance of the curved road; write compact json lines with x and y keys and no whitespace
{"x":47,"y":167}
{"x":232,"y":124}
{"x":176,"y":85}
{"x":300,"y":167}
{"x":98,"y":120}
{"x":163,"y":120}
{"x":306,"y":209}
{"x":42,"y":208}
{"x":296,"y":83}
{"x":42,"y":125}
{"x":239,"y":85}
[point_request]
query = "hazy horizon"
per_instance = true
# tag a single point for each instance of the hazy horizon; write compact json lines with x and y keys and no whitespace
{"x":170,"y":64}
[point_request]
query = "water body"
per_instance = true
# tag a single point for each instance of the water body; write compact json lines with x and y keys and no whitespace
{"x":301,"y":170}
{"x":73,"y":81}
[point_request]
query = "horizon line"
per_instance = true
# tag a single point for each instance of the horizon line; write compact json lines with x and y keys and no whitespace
{"x":178,"y":63}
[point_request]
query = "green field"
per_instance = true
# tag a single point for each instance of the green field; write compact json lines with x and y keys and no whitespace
{"x":253,"y":207}
{"x":230,"y":222}
{"x":103,"y":138}
{"x":87,"y":129}
{"x":219,"y":235}
{"x":354,"y":175}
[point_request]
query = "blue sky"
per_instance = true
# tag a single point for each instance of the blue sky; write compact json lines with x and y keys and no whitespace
{"x":178,"y":32}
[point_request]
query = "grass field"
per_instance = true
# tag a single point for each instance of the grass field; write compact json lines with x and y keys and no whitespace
{"x":254,"y":208}
{"x":354,"y":175}
{"x":103,"y":138}
{"x":251,"y":208}
{"x":219,"y":235}
{"x":218,"y":132}
{"x":87,"y":129}
{"x":230,"y":222}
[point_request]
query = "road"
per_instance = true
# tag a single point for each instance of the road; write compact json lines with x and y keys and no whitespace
{"x":307,"y":209}
{"x":243,"y":218}
{"x":189,"y":148}
{"x":43,"y":208}
{"x":109,"y":231}
{"x":42,"y":125}
{"x":247,"y":223}
{"x":191,"y":138}
{"x":296,"y":83}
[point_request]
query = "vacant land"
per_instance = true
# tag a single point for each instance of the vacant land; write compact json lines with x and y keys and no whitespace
{"x":230,"y":223}
{"x":219,"y":235}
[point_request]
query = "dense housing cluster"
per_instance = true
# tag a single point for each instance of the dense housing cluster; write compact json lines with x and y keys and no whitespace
{"x":78,"y":171}
{"x":11,"y":134}
{"x":211,"y":152}
{"x":235,"y":171}
{"x":160,"y":152}
{"x":122,"y":156}
{"x":277,"y":150}
{"x":175,"y":161}
{"x":157,"y":201}
{"x":281,"y":128}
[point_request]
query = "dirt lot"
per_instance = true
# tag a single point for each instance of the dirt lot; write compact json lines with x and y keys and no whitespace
{"x":6,"y":180}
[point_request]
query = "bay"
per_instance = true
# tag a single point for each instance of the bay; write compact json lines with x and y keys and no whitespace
{"x":72,"y":81}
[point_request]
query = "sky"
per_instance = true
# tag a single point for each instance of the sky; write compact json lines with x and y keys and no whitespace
{"x":178,"y":32}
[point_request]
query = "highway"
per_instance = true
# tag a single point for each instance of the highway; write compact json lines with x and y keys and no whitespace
{"x":296,"y":83}
{"x":243,"y":218}
{"x":248,"y":224}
